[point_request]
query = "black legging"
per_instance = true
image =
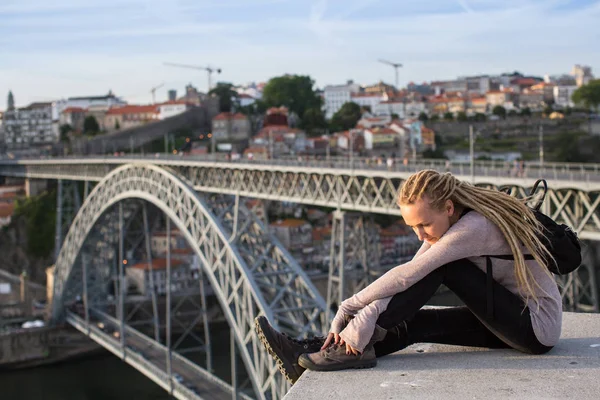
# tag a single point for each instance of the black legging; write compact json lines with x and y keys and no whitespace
{"x":465,"y":326}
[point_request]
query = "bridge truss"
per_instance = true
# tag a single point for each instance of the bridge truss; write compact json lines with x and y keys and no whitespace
{"x":250,"y":269}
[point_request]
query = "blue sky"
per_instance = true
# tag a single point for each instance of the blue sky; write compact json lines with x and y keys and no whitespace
{"x":61,"y":48}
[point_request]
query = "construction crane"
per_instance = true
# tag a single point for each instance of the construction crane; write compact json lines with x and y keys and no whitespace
{"x":209,"y":70}
{"x":153,"y":91}
{"x":396,"y":66}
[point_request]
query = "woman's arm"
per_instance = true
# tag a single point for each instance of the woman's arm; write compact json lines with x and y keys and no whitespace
{"x":470,"y":236}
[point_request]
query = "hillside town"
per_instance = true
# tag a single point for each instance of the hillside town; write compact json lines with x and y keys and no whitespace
{"x":385,"y":121}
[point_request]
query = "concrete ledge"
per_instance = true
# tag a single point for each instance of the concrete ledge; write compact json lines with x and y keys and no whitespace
{"x":428,"y":371}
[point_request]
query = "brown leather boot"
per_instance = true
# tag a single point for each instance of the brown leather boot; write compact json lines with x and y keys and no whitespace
{"x":285,"y":349}
{"x":334,"y":357}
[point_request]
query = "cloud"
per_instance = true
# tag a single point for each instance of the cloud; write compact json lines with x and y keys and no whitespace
{"x":62,"y":48}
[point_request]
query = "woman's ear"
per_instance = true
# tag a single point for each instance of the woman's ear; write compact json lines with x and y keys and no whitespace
{"x":450,"y":207}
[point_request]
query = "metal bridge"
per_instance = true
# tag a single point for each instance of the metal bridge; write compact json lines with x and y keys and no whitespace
{"x":249,"y":270}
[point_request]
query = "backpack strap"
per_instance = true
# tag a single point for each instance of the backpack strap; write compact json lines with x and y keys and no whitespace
{"x":538,"y":204}
{"x":490,"y":288}
{"x":490,"y":279}
{"x":510,"y":256}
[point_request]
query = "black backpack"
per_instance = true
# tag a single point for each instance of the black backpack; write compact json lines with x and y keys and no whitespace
{"x":560,"y":240}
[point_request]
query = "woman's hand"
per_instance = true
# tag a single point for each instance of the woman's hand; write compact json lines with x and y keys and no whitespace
{"x":331,"y":339}
{"x":335,"y":338}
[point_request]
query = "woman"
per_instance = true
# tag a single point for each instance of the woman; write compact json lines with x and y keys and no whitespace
{"x":459,"y":224}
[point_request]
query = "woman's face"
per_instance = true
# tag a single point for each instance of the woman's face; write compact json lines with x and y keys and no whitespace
{"x":428,"y":223}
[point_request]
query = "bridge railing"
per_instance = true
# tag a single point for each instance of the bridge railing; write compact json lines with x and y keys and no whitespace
{"x":531,"y":169}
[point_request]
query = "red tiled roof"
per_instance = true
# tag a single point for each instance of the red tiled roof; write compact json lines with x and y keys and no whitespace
{"x":371,"y":94}
{"x":227,"y":115}
{"x":173,"y":102}
{"x":383,"y":131}
{"x":256,"y":149}
{"x":290,"y":223}
{"x":73,"y":110}
{"x":245,"y":96}
{"x":133,"y":109}
{"x":7,"y":209}
{"x":157,"y":263}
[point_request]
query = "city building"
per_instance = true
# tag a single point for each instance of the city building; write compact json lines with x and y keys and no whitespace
{"x":246,"y":99}
{"x":502,"y":98}
{"x":228,"y":126}
{"x":74,"y":116}
{"x":368,"y":121}
{"x":368,"y":100}
{"x":381,"y":88}
{"x":563,"y":95}
{"x":336,"y":95}
{"x":86,"y":102}
{"x":547,"y":90}
{"x":477,"y":105}
{"x":29,"y":126}
{"x":294,"y":234}
{"x":172,"y":108}
{"x":141,"y":276}
{"x":128,"y":116}
{"x":582,"y":74}
{"x":172,"y":95}
{"x":6,"y":212}
{"x":390,"y":107}
{"x":158,"y":241}
{"x":354,"y":138}
{"x":532,"y":99}
{"x":381,"y":138}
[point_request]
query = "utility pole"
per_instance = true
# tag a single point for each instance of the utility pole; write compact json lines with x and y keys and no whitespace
{"x":471,"y":152}
{"x":396,"y":66}
{"x":541,"y":146}
{"x":271,"y":144}
{"x":209,"y":71}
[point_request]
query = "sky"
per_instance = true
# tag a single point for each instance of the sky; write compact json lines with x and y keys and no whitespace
{"x":62,"y":48}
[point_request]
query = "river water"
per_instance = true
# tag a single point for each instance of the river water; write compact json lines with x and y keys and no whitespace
{"x":102,"y":377}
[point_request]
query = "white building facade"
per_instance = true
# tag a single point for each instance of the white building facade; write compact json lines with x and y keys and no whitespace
{"x":563,"y":95}
{"x":336,"y":95}
{"x":104,"y":102}
{"x":171,"y":109}
{"x":30,"y":126}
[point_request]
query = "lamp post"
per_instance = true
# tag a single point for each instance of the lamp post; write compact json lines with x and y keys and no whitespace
{"x":471,"y":152}
{"x":541,"y":146}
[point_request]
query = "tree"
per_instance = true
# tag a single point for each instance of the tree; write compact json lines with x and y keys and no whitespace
{"x":499,"y":111}
{"x":448,"y":116}
{"x":513,"y":113}
{"x":90,"y":125}
{"x":461,"y":116}
{"x":64,"y":132}
{"x":435,"y":118}
{"x":293,"y":91}
{"x":345,"y":118}
{"x":423,"y":117}
{"x":548,"y":110}
{"x":588,"y":95}
{"x":313,"y":121}
{"x":526,"y":112}
{"x":395,"y":116}
{"x":228,"y":97}
{"x":480,"y":117}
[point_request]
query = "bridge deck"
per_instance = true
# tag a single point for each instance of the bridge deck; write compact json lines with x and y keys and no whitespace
{"x":426,"y":371}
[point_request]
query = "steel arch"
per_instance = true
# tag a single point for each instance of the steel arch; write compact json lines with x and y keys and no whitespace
{"x":238,"y":293}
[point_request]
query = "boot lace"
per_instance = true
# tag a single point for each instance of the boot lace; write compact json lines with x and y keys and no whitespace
{"x":305,"y":342}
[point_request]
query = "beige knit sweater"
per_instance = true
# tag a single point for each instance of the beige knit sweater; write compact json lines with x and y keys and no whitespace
{"x":471,"y":237}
